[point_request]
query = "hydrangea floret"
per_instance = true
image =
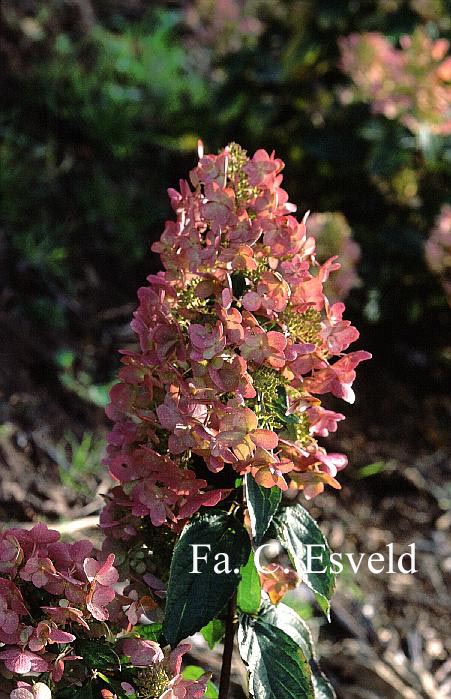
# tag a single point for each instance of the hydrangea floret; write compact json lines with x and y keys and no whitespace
{"x":333,"y":236}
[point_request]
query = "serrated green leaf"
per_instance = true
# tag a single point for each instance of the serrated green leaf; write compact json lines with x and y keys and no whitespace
{"x":262,"y":504}
{"x":294,"y":626}
{"x":97,"y":655}
{"x":296,"y":529}
{"x":278,"y":668}
{"x":213,"y":632}
{"x":291,"y":623}
{"x":249,"y":589}
{"x":194,"y":672}
{"x":321,"y":685}
{"x":194,"y":599}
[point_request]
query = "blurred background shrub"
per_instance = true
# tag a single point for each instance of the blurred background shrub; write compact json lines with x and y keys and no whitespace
{"x":104,"y":102}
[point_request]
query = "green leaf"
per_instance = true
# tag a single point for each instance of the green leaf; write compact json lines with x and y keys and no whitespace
{"x":296,"y":529}
{"x":371,"y":469}
{"x":194,"y":672}
{"x":278,"y":668}
{"x":249,"y":589}
{"x":262,"y":504}
{"x":194,"y":599}
{"x":238,"y":284}
{"x":97,"y":655}
{"x":213,"y":632}
{"x":151,"y":632}
{"x":291,"y":623}
{"x":294,"y":626}
{"x":321,"y":685}
{"x":84,"y":692}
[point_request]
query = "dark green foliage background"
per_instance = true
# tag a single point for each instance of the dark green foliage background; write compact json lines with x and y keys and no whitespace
{"x":103,"y":104}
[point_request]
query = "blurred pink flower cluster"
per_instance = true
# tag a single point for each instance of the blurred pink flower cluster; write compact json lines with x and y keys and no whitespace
{"x":334,"y":237}
{"x":438,"y":249}
{"x":237,"y":342}
{"x":223,"y":25}
{"x":412,"y":84}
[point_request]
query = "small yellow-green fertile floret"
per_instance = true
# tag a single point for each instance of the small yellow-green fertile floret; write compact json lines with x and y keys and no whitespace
{"x":266,"y":382}
{"x":152,"y":681}
{"x":302,"y":429}
{"x":305,"y":327}
{"x":188,"y":298}
{"x":237,"y":159}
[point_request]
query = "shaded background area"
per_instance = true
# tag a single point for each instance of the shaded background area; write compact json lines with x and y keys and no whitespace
{"x":103,"y":105}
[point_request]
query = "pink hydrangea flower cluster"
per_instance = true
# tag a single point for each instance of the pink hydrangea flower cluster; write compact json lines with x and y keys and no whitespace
{"x":75,"y":590}
{"x":412,"y":84}
{"x":438,"y":249}
{"x":334,"y":237}
{"x":237,"y":343}
{"x":54,"y":594}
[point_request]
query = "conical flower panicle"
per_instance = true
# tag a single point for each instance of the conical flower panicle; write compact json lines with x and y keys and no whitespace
{"x":237,"y":342}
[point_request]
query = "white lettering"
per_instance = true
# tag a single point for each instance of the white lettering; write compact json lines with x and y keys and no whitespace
{"x":222,"y":564}
{"x":197,"y":558}
{"x":410,"y":555}
{"x":390,"y":559}
{"x":257,"y":560}
{"x":336,"y":566}
{"x":310,"y":558}
{"x":377,"y":558}
{"x":355,"y":567}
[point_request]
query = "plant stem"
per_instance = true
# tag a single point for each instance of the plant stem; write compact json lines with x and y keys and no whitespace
{"x":231,"y":624}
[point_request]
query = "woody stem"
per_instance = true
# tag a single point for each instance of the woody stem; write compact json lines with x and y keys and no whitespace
{"x":231,"y":624}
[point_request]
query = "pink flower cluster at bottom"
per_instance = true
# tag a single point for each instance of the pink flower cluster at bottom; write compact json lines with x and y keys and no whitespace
{"x":76,"y":589}
{"x":148,"y":654}
{"x":52,"y":594}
